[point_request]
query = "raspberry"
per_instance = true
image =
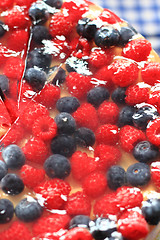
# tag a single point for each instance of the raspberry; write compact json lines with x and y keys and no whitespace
{"x":124,"y":72}
{"x":16,"y":231}
{"x":128,"y":197}
{"x":31,"y":176}
{"x":60,"y":48}
{"x":106,"y":205}
{"x":152,"y":132}
{"x":99,"y":58}
{"x":45,"y":128}
{"x":77,"y":233}
{"x":137,"y":49}
{"x":5,"y":117}
{"x":108,"y":112}
{"x":155,"y":174}
{"x":109,"y":17}
{"x":4,"y":54}
{"x":78,"y":84}
{"x":48,"y":96}
{"x":5,"y":4}
{"x":50,"y":224}
{"x":95,"y":184}
{"x":150,"y":72}
{"x":25,"y":3}
{"x":107,"y":134}
{"x":18,"y":39}
{"x":137,"y":93}
{"x":129,"y":137}
{"x":86,"y":116}
{"x":106,"y":156}
{"x":132,"y":225}
{"x":103,"y":78}
{"x":154,"y":95}
{"x":82,"y":165}
{"x":14,"y":68}
{"x":35,"y":150}
{"x":54,"y":193}
{"x":78,"y":204}
{"x":82,"y":48}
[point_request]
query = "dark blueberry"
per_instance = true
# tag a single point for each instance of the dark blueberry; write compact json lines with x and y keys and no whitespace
{"x":65,"y":123}
{"x":54,"y":3}
{"x":36,"y":78}
{"x":151,"y":211}
{"x":102,"y":228}
{"x":57,"y":166}
{"x":106,"y":37}
{"x":115,"y":236}
{"x":64,"y":145}
{"x":3,"y":29}
{"x":3,"y":169}
{"x":143,"y":115}
{"x":145,"y":152}
{"x":80,"y":66}
{"x":86,"y":28}
{"x":97,"y":95}
{"x":39,"y":58}
{"x":4,"y":83}
{"x":81,"y":25}
{"x":138,"y":174}
{"x":39,"y":33}
{"x":67,"y":104}
{"x":79,"y":221}
{"x":6,"y":211}
{"x":116,"y":177}
{"x":13,"y":156}
{"x":28,"y":209}
{"x":126,"y":34}
{"x":118,"y":95}
{"x":12,"y":184}
{"x":125,"y":116}
{"x":38,"y":13}
{"x":59,"y":77}
{"x":84,"y":137}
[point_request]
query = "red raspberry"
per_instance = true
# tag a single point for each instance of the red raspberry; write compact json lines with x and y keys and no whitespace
{"x":4,"y":54}
{"x":124,"y":72}
{"x":107,"y":134}
{"x":82,"y":48}
{"x":152,"y":132}
{"x":14,"y":68}
{"x":128,"y":197}
{"x":103,"y":77}
{"x":5,"y":117}
{"x":82,"y":165}
{"x":95,"y":184}
{"x":78,"y":84}
{"x":51,"y":236}
{"x":31,"y":176}
{"x":108,"y":112}
{"x":150,"y":72}
{"x":35,"y":150}
{"x":5,"y":4}
{"x":106,"y":205}
{"x":155,"y":173}
{"x":25,"y":3}
{"x":50,"y":224}
{"x":45,"y":128}
{"x":137,"y":93}
{"x":99,"y":57}
{"x":106,"y":156}
{"x":109,"y":17}
{"x":77,"y":233}
{"x":18,"y":39}
{"x":16,"y":231}
{"x":154,"y":95}
{"x":86,"y":116}
{"x":60,"y":48}
{"x":48,"y":96}
{"x":78,"y":203}
{"x":132,"y":225}
{"x":53,"y":192}
{"x":137,"y":49}
{"x":16,"y":18}
{"x":129,"y":137}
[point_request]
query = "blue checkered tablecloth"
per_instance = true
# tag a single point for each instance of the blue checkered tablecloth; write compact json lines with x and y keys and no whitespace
{"x":143,"y":15}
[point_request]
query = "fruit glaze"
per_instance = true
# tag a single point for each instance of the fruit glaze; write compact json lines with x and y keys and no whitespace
{"x":79,"y":124}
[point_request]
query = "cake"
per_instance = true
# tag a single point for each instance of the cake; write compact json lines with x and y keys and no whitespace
{"x":79,"y":125}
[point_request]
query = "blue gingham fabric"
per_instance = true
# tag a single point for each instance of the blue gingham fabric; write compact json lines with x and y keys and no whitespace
{"x":143,"y":15}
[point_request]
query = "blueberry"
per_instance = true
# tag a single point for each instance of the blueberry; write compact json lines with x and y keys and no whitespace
{"x":81,"y":25}
{"x":74,"y":64}
{"x":65,"y":123}
{"x":57,"y":166}
{"x":63,"y":144}
{"x":12,"y":184}
{"x":3,"y":169}
{"x":59,"y":77}
{"x":126,"y":34}
{"x":115,"y":236}
{"x":116,"y":177}
{"x":3,"y":29}
{"x":13,"y":156}
{"x":97,"y":95}
{"x":151,"y":211}
{"x":79,"y":221}
{"x":4,"y":83}
{"x":118,"y":95}
{"x":38,"y":13}
{"x":36,"y":78}
{"x":145,"y":152}
{"x":67,"y":104}
{"x":90,"y":30}
{"x":6,"y":211}
{"x":39,"y":33}
{"x":106,"y":37}
{"x":125,"y":116}
{"x":138,"y":174}
{"x":84,"y":137}
{"x":54,"y":3}
{"x":28,"y":209}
